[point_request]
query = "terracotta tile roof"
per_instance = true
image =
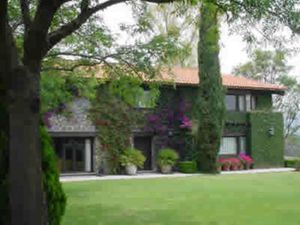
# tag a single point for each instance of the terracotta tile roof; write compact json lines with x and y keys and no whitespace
{"x":189,"y":77}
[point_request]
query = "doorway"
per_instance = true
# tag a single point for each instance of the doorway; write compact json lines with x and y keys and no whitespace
{"x":144,"y":144}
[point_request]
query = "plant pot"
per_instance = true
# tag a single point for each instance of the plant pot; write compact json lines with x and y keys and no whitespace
{"x":226,"y":168}
{"x":166,"y":169}
{"x":131,"y":169}
{"x":234,"y":167}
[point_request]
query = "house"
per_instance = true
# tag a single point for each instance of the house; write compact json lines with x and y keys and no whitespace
{"x":251,"y":126}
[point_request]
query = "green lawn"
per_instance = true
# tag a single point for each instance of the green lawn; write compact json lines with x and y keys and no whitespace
{"x":264,"y":199}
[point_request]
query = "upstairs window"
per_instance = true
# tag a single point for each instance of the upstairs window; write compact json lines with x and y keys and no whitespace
{"x":235,"y":103}
{"x":144,"y":100}
{"x":231,"y":102}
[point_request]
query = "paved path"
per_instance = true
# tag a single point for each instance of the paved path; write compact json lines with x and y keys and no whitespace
{"x":72,"y":178}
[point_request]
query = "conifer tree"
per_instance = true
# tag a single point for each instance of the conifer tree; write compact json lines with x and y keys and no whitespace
{"x":210,"y":102}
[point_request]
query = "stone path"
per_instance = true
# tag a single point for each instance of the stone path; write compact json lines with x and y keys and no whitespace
{"x":147,"y":175}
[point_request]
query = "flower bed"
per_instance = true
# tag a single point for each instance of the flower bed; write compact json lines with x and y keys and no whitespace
{"x":241,"y":162}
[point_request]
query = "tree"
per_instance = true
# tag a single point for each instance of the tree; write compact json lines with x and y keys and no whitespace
{"x":28,"y":33}
{"x":210,"y":102}
{"x":179,"y":21}
{"x":272,"y":67}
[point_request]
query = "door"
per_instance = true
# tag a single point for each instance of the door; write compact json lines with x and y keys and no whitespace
{"x":73,"y":156}
{"x":143,"y":143}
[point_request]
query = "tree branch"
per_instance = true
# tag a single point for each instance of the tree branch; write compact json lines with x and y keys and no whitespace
{"x":25,"y":13}
{"x":86,"y":12}
{"x":35,"y":41}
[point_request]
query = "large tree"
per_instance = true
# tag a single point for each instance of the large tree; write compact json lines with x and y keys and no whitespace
{"x":28,"y":32}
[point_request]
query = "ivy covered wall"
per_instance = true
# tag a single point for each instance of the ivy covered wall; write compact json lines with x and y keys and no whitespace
{"x":266,"y":140}
{"x":264,"y":101}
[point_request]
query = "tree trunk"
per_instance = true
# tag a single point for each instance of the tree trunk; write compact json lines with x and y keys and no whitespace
{"x":26,"y":192}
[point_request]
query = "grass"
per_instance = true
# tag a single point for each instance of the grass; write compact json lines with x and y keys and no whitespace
{"x":260,"y":199}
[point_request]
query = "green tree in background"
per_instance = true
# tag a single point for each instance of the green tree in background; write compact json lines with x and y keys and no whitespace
{"x":210,"y":106}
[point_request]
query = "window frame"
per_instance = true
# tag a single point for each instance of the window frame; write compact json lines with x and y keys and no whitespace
{"x":237,"y":107}
{"x":238,"y":144}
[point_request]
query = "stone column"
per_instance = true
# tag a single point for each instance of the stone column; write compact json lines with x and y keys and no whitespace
{"x":88,"y":155}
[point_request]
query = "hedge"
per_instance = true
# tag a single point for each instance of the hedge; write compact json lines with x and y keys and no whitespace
{"x":187,"y":167}
{"x":266,"y":148}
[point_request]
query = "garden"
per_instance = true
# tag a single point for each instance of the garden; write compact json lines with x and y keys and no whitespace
{"x":251,"y":199}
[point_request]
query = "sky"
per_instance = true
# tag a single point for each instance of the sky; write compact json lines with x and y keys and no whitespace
{"x":233,"y":49}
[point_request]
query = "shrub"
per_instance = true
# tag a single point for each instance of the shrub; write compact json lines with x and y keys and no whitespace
{"x":167,"y":156}
{"x":297,"y":165}
{"x":187,"y":167}
{"x":132,"y":156}
{"x":56,"y":198}
{"x":291,"y":162}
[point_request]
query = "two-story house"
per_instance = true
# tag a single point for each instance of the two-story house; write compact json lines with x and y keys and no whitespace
{"x":250,"y":127}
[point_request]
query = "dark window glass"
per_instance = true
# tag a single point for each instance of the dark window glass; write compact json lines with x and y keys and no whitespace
{"x":230,"y":102}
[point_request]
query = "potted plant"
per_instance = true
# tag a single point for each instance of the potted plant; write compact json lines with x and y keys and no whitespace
{"x":166,"y":159}
{"x":247,"y":161}
{"x":131,"y":159}
{"x":235,"y":163}
{"x":225,"y":164}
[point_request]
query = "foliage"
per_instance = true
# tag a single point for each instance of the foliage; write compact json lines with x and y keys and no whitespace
{"x":56,"y":198}
{"x":291,"y":162}
{"x":114,"y":114}
{"x":210,"y":108}
{"x":297,"y":165}
{"x":271,"y":66}
{"x":266,"y":149}
{"x":167,"y":156}
{"x":246,"y":159}
{"x":59,"y":88}
{"x":177,"y":21}
{"x":187,"y":167}
{"x":132,"y":156}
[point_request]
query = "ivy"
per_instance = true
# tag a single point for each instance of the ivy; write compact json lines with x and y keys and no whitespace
{"x":115,"y":117}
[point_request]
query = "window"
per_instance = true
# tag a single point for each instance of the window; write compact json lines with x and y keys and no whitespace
{"x":242,"y":103}
{"x":233,"y":145}
{"x":253,"y":102}
{"x":228,"y":146}
{"x":243,"y":145}
{"x":236,"y":103}
{"x":231,"y":102}
{"x":144,"y":100}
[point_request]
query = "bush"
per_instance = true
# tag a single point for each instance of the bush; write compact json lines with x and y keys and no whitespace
{"x":291,"y":162}
{"x":297,"y":165}
{"x":167,"y":156}
{"x":132,"y":156}
{"x":187,"y":167}
{"x":56,"y":198}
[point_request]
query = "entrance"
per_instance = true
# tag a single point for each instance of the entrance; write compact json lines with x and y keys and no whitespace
{"x":143,"y":143}
{"x":74,"y":154}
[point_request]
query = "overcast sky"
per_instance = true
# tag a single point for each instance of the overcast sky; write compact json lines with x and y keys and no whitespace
{"x":232,"y":53}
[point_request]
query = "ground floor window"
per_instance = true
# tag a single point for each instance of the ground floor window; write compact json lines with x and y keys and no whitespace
{"x":233,"y":145}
